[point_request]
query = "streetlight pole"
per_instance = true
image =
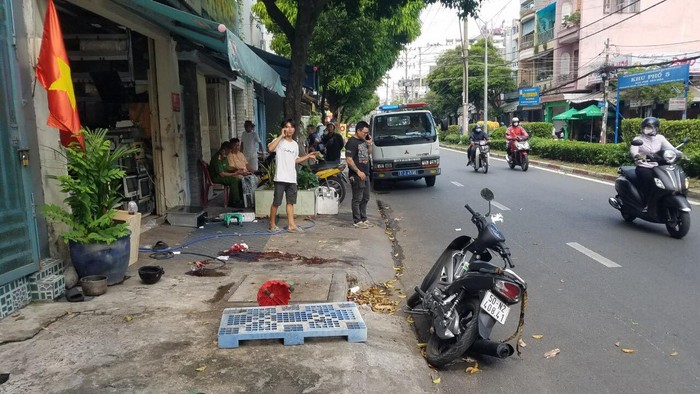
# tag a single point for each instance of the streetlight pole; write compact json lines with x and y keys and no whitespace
{"x":486,"y":78}
{"x":605,"y":75}
{"x":465,"y":78}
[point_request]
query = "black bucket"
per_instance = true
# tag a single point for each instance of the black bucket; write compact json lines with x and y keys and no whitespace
{"x":150,"y":274}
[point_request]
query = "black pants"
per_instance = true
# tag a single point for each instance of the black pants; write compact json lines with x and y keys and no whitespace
{"x":360,"y":198}
{"x":470,"y":152}
{"x":645,"y":181}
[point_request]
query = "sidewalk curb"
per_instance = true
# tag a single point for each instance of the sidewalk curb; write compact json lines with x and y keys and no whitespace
{"x":570,"y":170}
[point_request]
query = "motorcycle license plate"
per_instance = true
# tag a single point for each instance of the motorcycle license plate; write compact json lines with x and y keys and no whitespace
{"x":495,"y":307}
{"x":407,"y":172}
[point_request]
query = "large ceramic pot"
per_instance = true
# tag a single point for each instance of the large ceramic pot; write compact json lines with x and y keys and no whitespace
{"x":102,"y":259}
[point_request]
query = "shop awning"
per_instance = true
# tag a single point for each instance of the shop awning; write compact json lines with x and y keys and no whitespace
{"x":566,"y":115}
{"x":206,"y":32}
{"x":509,"y":107}
{"x":281,"y":65}
{"x":592,"y":111}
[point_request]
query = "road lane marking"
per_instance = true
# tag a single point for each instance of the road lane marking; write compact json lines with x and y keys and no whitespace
{"x":560,"y":172}
{"x":457,"y":184}
{"x":595,"y":256}
{"x":500,"y":206}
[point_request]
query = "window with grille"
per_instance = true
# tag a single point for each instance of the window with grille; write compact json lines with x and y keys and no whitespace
{"x":621,"y":6}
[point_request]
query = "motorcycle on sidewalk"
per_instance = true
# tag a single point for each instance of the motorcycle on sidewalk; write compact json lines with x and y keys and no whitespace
{"x":331,"y":174}
{"x":464,"y":295}
{"x":520,"y":156}
{"x":481,"y":156}
{"x":667,"y":201}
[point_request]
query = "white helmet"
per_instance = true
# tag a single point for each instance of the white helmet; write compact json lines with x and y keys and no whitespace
{"x":515,"y":121}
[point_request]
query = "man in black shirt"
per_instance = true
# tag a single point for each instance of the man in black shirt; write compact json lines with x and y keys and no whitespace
{"x":357,"y":152}
{"x":333,"y":143}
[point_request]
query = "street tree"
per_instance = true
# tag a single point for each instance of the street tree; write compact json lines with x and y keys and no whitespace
{"x":445,"y":81}
{"x":297,"y":19}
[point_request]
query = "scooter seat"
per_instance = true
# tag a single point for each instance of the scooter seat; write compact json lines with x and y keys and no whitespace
{"x":629,"y":173}
{"x":478,"y":265}
{"x":324,"y":165}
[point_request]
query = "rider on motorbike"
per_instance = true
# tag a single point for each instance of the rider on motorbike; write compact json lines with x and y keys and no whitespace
{"x":652,"y":142}
{"x":477,"y":135}
{"x":514,"y":132}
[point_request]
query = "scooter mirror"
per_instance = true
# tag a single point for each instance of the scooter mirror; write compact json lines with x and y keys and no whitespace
{"x":685,"y":140}
{"x":487,"y":194}
{"x":637,"y":142}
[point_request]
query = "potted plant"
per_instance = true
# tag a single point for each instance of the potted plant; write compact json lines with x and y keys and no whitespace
{"x":98,"y":245}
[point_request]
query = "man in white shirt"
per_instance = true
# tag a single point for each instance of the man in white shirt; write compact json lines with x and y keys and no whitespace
{"x":250,"y":142}
{"x":286,"y":158}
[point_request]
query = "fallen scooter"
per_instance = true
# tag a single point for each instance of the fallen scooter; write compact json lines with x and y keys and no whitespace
{"x":464,"y":295}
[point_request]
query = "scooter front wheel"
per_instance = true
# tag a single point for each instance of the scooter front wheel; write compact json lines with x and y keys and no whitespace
{"x":525,"y":163}
{"x":628,"y":217}
{"x":678,"y":224}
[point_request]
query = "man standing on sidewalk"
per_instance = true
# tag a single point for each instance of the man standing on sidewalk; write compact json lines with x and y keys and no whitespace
{"x":286,"y":159}
{"x":250,"y":142}
{"x":357,"y":153}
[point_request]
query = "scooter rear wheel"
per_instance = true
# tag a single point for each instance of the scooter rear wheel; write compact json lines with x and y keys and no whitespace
{"x":440,"y":352}
{"x":337,"y":184}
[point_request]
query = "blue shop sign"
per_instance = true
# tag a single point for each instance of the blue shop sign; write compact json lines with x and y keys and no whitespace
{"x":655,"y":77}
{"x":529,"y":96}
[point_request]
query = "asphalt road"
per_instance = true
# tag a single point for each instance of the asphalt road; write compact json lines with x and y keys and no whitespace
{"x":640,"y":294}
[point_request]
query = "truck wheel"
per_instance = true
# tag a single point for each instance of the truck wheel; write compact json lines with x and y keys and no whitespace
{"x":430,"y":180}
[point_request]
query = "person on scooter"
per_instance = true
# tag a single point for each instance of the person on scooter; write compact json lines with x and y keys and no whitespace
{"x":477,"y":135}
{"x":652,"y":142}
{"x":513,"y":133}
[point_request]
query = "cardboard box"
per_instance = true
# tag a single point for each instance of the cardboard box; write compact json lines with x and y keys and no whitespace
{"x":134,"y":222}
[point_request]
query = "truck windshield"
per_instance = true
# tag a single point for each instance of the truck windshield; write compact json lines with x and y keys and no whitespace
{"x":405,"y":128}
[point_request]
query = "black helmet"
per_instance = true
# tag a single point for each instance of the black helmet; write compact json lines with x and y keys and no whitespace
{"x":650,"y":122}
{"x":477,"y":128}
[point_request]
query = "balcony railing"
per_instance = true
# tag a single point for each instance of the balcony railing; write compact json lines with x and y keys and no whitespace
{"x":527,"y":7}
{"x":545,"y":36}
{"x":527,"y":41}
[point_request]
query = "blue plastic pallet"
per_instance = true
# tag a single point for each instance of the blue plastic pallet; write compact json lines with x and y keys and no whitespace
{"x":292,"y":323}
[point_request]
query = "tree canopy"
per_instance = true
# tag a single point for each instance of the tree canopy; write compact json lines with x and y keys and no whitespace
{"x":445,"y":81}
{"x":365,"y":36}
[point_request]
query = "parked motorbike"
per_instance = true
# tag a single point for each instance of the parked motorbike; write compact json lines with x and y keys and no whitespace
{"x":481,"y":155}
{"x":666,"y":203}
{"x":520,"y":156}
{"x":331,"y":174}
{"x":463,"y":295}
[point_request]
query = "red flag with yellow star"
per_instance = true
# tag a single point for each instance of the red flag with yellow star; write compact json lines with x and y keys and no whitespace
{"x":53,"y":72}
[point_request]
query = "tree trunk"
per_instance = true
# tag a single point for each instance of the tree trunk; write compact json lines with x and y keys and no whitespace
{"x":308,"y":12}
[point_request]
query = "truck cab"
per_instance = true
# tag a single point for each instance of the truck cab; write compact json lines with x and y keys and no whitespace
{"x":404,"y":144}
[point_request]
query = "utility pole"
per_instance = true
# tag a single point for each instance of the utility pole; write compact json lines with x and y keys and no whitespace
{"x":387,"y":89}
{"x":605,"y":75}
{"x":405,"y":78}
{"x":420,"y":76}
{"x":465,"y":77}
{"x":486,"y":78}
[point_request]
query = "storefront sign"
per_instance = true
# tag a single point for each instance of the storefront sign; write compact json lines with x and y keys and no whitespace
{"x":529,"y":96}
{"x":676,"y":104}
{"x":636,"y":103}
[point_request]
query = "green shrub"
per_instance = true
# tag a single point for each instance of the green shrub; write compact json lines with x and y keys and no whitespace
{"x":539,"y":129}
{"x":452,"y":138}
{"x":453,"y":129}
{"x":673,"y":130}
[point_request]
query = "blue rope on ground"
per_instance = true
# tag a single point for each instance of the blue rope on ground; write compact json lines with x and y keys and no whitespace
{"x":196,"y":240}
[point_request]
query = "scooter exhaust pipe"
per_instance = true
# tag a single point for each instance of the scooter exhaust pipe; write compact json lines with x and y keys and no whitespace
{"x":614,"y":203}
{"x":491,"y":348}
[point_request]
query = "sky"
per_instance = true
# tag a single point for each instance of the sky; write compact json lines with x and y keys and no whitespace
{"x":439,"y":23}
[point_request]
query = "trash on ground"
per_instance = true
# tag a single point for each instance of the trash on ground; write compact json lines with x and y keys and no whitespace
{"x":551,"y":353}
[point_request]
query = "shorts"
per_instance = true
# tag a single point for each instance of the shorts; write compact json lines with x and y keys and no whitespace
{"x":287,"y":189}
